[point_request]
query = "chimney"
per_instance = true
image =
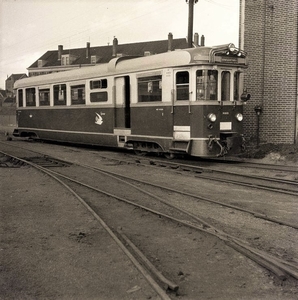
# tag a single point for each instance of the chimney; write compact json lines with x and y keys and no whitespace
{"x":115,"y":44}
{"x":60,"y":49}
{"x":196,"y":39}
{"x":202,"y":40}
{"x":88,"y":50}
{"x":170,"y":42}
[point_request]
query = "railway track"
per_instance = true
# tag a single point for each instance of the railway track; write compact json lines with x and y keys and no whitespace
{"x":283,"y":186}
{"x":200,"y":172}
{"x":278,"y":266}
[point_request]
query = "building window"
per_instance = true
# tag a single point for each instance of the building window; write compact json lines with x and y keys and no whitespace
{"x":94,"y":59}
{"x":206,"y":84}
{"x":99,"y":97}
{"x":65,"y":60}
{"x":182,"y":85}
{"x":60,"y":94}
{"x":78,"y":94}
{"x":99,"y":84}
{"x":20,"y":98}
{"x":30,"y":97}
{"x":44,"y":97}
{"x":150,"y":89}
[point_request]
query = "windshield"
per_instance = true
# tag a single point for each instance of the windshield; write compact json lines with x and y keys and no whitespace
{"x":206,"y":84}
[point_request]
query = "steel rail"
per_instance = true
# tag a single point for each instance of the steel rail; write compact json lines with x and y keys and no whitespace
{"x":276,"y":266}
{"x":184,"y":167}
{"x":272,"y":264}
{"x":255,"y":214}
{"x":136,"y":263}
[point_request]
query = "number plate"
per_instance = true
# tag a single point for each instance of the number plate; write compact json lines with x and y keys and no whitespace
{"x":225,"y":126}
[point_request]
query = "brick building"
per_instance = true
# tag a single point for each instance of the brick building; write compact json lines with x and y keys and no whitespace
{"x":268,"y":32}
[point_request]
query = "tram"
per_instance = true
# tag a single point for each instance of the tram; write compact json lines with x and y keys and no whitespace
{"x":186,"y":101}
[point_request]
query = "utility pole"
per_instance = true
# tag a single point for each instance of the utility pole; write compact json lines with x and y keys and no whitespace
{"x":191,"y":4}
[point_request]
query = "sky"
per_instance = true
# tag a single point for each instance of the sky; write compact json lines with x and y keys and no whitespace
{"x":29,"y":28}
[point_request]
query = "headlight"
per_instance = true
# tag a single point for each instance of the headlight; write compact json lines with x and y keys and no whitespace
{"x":212,"y":117}
{"x":239,"y":117}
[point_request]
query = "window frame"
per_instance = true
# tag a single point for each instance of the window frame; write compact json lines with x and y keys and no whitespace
{"x":78,"y":94}
{"x":180,"y":86}
{"x":207,"y":85}
{"x":32,"y":102}
{"x":41,"y":91}
{"x":153,"y":84}
{"x":56,"y":100}
{"x":20,"y":99}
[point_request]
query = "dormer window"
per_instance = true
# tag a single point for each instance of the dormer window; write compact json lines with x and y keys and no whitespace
{"x":68,"y":59}
{"x":94,"y":59}
{"x":65,"y":60}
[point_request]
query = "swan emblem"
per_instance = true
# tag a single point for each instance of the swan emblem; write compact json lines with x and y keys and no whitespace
{"x":98,"y":119}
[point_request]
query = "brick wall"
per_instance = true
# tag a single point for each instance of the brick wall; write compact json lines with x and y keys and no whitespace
{"x":270,"y":38}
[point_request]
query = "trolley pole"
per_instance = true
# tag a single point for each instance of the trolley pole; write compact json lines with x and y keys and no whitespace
{"x":191,"y":4}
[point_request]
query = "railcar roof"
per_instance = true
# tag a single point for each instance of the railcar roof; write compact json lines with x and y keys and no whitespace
{"x":123,"y":65}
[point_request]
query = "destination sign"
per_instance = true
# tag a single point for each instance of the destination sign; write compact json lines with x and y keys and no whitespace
{"x":229,"y":59}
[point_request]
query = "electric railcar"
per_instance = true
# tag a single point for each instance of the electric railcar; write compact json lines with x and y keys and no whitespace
{"x":186,"y":101}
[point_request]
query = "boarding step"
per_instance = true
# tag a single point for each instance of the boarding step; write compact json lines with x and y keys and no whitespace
{"x":180,"y":145}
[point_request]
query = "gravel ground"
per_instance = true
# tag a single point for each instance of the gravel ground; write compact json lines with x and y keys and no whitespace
{"x":52,"y":248}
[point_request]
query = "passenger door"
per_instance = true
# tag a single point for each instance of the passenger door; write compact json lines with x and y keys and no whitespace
{"x":182,"y":104}
{"x":122,"y":102}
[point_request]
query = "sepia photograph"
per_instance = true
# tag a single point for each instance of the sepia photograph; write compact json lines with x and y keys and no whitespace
{"x":149,"y":149}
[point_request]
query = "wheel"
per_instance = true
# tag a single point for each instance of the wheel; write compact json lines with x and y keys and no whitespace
{"x":140,"y":153}
{"x":169,"y":155}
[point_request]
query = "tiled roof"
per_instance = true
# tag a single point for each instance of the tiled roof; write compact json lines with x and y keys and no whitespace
{"x":105,"y":53}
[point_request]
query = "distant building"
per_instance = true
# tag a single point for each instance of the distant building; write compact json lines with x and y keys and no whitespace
{"x":3,"y":96}
{"x":9,"y":82}
{"x":66,"y":59}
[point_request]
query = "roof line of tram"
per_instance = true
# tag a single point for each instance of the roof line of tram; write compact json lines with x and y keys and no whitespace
{"x":127,"y":64}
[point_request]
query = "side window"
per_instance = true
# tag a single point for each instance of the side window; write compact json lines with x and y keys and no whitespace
{"x":20,"y":98}
{"x":225,"y":85}
{"x":44,"y":97}
{"x":206,"y":85}
{"x":150,"y":89}
{"x":236,"y":86}
{"x":30,"y":97}
{"x":99,"y":97}
{"x":182,"y":85}
{"x":99,"y":84}
{"x":60,"y":94}
{"x":78,"y":94}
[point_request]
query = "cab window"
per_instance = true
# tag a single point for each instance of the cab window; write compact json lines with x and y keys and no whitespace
{"x":182,"y":85}
{"x":225,"y":85}
{"x":206,"y":81}
{"x":20,"y":98}
{"x":236,"y":86}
